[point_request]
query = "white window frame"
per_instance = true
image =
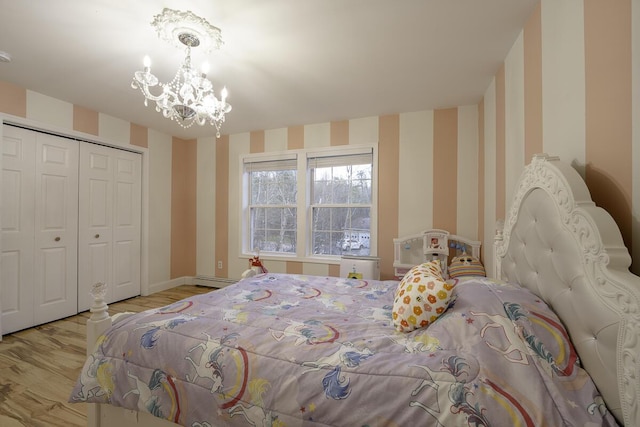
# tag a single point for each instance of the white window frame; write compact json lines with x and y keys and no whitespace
{"x":304,"y":223}
{"x":263,"y":162}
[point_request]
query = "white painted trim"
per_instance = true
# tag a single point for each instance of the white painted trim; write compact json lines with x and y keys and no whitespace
{"x":212,"y":282}
{"x":169,"y":284}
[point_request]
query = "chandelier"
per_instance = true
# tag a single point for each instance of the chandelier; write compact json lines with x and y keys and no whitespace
{"x":189,"y":97}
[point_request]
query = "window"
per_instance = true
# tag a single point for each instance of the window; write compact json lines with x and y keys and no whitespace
{"x":272,"y":204}
{"x":305,"y":203}
{"x":340,"y":203}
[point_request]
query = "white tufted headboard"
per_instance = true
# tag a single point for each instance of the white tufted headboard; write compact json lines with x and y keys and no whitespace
{"x":568,"y":251}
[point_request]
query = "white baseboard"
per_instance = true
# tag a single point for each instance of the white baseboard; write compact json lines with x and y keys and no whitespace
{"x":163,"y":286}
{"x":213,"y":282}
{"x":209,"y":281}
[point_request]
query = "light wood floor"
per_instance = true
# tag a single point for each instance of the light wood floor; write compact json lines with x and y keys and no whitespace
{"x":39,"y":366}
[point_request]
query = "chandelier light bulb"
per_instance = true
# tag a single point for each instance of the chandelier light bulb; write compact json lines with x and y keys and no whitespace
{"x":205,"y":68}
{"x":224,"y":94}
{"x":146,"y":61}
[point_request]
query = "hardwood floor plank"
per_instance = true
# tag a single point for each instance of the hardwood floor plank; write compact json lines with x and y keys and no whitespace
{"x":39,"y":366}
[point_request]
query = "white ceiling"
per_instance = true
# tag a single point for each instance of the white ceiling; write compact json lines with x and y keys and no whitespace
{"x":284,"y":62}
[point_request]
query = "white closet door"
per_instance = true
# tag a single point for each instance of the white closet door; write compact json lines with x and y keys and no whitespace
{"x":109,"y":223}
{"x":127,"y":224}
{"x":56,"y":228}
{"x":17,"y":219}
{"x":95,"y":222}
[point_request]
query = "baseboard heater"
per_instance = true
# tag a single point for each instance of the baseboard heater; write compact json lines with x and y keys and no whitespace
{"x":213,"y":282}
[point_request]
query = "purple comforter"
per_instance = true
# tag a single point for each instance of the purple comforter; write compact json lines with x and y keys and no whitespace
{"x":292,"y":350}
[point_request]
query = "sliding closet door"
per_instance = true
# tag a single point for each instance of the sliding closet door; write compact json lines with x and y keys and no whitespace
{"x":109,"y":223}
{"x":95,"y":222}
{"x":17,"y":219}
{"x":127,"y":224}
{"x":56,"y":228}
{"x":39,"y":228}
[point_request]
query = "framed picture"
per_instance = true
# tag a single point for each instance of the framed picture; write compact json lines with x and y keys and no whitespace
{"x":435,"y":243}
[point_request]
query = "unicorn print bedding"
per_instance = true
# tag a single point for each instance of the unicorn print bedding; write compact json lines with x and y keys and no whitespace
{"x":294,"y":350}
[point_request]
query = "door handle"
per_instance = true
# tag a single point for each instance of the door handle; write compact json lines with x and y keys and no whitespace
{"x":57,"y":239}
{"x":97,"y":236}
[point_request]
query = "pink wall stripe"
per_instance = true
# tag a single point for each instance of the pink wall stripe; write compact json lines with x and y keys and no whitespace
{"x":13,"y":99}
{"x":85,"y":120}
{"x":388,"y":182}
{"x":294,"y":267}
{"x":183,"y":207}
{"x":139,"y":136}
{"x":295,"y":137}
{"x":445,"y":169}
{"x":533,"y":84}
{"x":334,"y":270}
{"x":607,"y":39}
{"x":256,"y":142}
{"x":339,"y":133}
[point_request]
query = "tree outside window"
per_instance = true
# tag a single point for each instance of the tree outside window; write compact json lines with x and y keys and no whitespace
{"x":272,"y":206}
{"x":341,"y":205}
{"x":309,"y":203}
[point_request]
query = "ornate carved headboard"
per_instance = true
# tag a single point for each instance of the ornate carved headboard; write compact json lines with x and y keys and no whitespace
{"x":568,"y":251}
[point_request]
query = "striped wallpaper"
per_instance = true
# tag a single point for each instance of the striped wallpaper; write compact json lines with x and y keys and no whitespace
{"x":408,"y":145}
{"x":570,"y":86}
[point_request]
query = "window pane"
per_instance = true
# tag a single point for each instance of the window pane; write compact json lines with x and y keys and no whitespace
{"x":361,"y":184}
{"x":273,"y":187}
{"x":326,"y":243}
{"x":273,"y":229}
{"x":272,"y":199}
{"x":341,"y":230}
{"x":341,"y":204}
{"x":342,"y":184}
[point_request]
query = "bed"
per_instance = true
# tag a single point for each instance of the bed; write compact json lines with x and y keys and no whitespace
{"x":553,"y":339}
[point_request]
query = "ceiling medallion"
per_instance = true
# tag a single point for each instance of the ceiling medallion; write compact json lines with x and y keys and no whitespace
{"x":171,"y":24}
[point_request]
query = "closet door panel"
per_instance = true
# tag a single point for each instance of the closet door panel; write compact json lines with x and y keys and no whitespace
{"x":95,"y":222}
{"x":13,"y":301}
{"x":56,"y":228}
{"x":53,"y":270}
{"x":127,"y":223}
{"x":17,"y":219}
{"x":109,"y":224}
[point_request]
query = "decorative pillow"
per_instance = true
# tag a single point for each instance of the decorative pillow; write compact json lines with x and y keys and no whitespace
{"x":466,"y":265}
{"x":421,"y":297}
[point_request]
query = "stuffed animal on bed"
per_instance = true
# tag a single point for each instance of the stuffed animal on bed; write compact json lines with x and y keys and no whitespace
{"x":256,"y":264}
{"x":466,"y":265}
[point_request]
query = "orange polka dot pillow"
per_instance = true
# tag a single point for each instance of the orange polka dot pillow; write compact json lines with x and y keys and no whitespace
{"x":421,"y":297}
